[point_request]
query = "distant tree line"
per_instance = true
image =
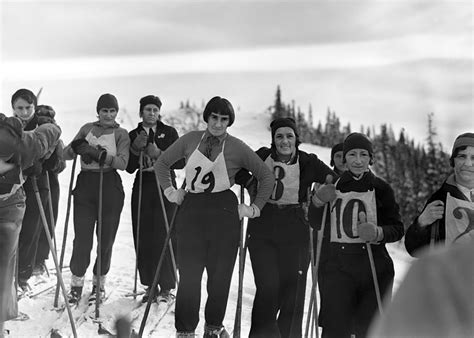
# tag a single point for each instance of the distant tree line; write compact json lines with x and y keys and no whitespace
{"x":414,"y":171}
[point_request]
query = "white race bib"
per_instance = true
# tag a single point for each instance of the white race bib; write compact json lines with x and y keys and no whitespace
{"x":459,"y":220}
{"x":345,"y":215}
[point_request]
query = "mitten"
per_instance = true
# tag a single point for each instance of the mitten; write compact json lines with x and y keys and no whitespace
{"x":78,"y":145}
{"x":45,"y":114}
{"x":368,"y":232}
{"x":152,"y":151}
{"x":139,"y":143}
{"x":324,"y":193}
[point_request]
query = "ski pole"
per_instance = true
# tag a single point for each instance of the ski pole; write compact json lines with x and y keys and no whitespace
{"x":99,"y":242}
{"x":137,"y":231}
{"x":51,"y":211}
{"x":53,"y":254}
{"x":157,"y":272}
{"x":165,"y":216}
{"x":242,"y":252}
{"x":434,"y":234}
{"x":68,"y":211}
{"x":374,"y":277}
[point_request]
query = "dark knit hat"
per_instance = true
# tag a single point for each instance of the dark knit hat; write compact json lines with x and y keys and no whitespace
{"x":336,"y":148}
{"x":26,"y":95}
{"x":45,"y":110}
{"x":220,"y":106}
{"x":283,"y":122}
{"x":149,"y":99}
{"x":11,"y":130}
{"x":107,"y":101}
{"x":463,"y":140}
{"x":357,"y":141}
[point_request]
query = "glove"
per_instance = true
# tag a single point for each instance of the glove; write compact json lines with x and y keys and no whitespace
{"x":45,"y":114}
{"x":431,"y":213}
{"x":368,"y":232}
{"x":152,"y":151}
{"x":78,"y":145}
{"x":324,"y":193}
{"x":175,"y":195}
{"x":139,"y":143}
{"x":251,"y":211}
{"x":35,"y":170}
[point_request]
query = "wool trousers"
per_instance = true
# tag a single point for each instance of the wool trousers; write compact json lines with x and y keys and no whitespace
{"x":208,"y":238}
{"x":86,"y":211}
{"x":11,"y":215}
{"x":152,"y":235}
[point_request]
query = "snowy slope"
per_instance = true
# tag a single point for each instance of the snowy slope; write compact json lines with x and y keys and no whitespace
{"x":250,"y":127}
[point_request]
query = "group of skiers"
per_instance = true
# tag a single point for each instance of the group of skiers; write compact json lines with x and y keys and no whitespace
{"x":301,"y":214}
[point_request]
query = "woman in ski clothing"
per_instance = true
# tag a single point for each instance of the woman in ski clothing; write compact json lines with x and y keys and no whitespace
{"x":207,"y":223}
{"x":278,"y":240}
{"x":448,"y":216}
{"x":33,"y":247}
{"x":102,"y":145}
{"x":18,"y":150}
{"x":151,"y":137}
{"x":363,"y":212}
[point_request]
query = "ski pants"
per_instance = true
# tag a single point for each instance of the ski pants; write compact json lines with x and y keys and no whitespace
{"x":86,"y":211}
{"x":348,"y":298}
{"x":208,"y":231}
{"x":32,"y":227}
{"x":42,"y":252}
{"x":280,"y":271}
{"x":11,"y":215}
{"x":152,"y":232}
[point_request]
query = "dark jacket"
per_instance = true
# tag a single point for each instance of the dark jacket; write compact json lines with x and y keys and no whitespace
{"x":164,"y":137}
{"x":417,"y":237}
{"x":271,"y":224}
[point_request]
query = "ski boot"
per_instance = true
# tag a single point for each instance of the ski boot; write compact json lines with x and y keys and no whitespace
{"x":165,"y":296}
{"x":147,"y":294}
{"x":74,"y":295}
{"x":93,"y":295}
{"x":213,"y":331}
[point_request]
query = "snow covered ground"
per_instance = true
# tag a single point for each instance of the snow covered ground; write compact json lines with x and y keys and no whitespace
{"x":250,"y":127}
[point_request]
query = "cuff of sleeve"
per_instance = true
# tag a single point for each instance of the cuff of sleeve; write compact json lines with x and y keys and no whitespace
{"x":380,"y":234}
{"x":109,"y":159}
{"x":317,"y":202}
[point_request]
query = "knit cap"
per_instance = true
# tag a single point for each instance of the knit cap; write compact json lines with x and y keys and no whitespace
{"x":150,"y":99}
{"x":107,"y":101}
{"x":283,"y":122}
{"x":221,"y":106}
{"x":463,"y":140}
{"x":357,"y":141}
{"x":336,"y":148}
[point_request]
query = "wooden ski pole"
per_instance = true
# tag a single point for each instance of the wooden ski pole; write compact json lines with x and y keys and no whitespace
{"x":374,"y":277}
{"x":51,"y":211}
{"x":53,"y":254}
{"x":242,"y":252}
{"x":158,"y":268}
{"x":99,"y":242}
{"x":66,"y":222}
{"x":167,"y":227}
{"x":137,"y":232}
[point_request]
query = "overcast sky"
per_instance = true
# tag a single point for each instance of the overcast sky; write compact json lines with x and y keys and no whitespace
{"x":50,"y":40}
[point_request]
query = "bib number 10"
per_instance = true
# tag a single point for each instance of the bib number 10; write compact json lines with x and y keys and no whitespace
{"x":346,"y":223}
{"x":207,"y":179}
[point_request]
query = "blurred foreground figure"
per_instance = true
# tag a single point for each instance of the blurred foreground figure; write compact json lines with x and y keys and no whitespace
{"x":18,"y":150}
{"x":435,"y":299}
